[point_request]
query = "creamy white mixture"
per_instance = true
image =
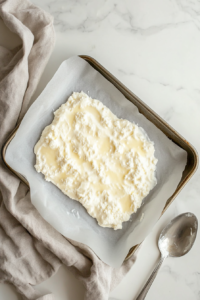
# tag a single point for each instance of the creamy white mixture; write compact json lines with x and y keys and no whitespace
{"x":105,"y":163}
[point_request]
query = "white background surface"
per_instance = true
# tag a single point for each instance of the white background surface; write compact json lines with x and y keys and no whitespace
{"x":153,"y":47}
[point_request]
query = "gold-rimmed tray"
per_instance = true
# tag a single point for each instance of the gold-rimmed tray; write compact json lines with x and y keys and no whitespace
{"x":154,"y":118}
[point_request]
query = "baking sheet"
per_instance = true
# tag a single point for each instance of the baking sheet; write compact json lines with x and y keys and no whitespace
{"x":68,"y":216}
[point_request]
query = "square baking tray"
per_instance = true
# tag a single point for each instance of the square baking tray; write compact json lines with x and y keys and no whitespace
{"x":192,"y":156}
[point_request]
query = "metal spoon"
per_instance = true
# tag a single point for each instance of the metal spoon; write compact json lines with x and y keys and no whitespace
{"x":175,"y":240}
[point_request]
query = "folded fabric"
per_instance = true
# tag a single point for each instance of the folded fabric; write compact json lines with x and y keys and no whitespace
{"x":30,"y":249}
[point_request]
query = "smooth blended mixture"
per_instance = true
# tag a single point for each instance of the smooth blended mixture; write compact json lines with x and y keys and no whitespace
{"x":105,"y":163}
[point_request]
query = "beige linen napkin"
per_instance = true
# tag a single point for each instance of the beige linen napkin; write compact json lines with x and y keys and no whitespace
{"x":30,"y":249}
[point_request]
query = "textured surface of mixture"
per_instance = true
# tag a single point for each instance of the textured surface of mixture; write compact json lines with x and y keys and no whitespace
{"x":105,"y":163}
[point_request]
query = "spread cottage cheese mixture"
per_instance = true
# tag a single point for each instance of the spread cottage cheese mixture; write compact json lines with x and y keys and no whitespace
{"x":105,"y":163}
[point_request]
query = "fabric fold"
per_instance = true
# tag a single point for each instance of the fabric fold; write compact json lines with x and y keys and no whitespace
{"x":30,"y":249}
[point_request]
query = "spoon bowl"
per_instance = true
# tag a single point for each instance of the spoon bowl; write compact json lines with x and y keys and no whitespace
{"x":175,"y":240}
{"x":178,"y":237}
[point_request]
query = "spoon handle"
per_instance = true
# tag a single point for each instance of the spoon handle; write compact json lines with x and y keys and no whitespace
{"x":149,"y":282}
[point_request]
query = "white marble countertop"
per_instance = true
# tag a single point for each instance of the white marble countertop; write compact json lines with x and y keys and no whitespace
{"x":153,"y":47}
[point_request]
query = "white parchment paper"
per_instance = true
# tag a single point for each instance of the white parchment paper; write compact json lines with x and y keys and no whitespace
{"x":68,"y":216}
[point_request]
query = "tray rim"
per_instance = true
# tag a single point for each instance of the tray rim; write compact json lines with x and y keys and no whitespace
{"x":156,"y":116}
